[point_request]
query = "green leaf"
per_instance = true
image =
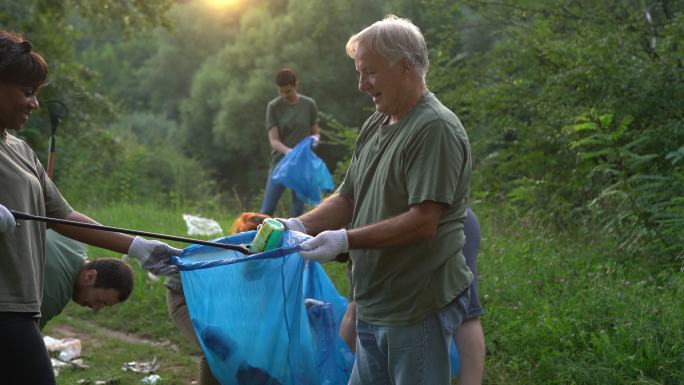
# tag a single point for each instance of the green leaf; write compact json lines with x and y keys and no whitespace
{"x":622,"y":127}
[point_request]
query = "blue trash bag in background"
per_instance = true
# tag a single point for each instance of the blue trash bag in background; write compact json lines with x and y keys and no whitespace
{"x":248,"y":313}
{"x":302,"y":171}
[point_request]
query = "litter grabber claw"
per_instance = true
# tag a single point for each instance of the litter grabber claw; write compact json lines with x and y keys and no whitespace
{"x":244,"y":249}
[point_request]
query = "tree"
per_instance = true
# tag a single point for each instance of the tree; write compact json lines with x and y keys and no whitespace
{"x":224,"y":113}
{"x":573,"y":107}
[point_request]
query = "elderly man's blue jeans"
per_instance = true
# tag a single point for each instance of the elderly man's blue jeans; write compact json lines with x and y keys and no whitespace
{"x":408,"y":355}
{"x":272,"y":195}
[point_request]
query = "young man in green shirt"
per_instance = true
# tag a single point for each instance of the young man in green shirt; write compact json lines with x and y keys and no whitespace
{"x":70,"y":276}
{"x":290,"y":118}
{"x":400,"y":213}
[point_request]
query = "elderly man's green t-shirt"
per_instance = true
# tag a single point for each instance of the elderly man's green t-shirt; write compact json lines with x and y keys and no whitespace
{"x":423,"y":157}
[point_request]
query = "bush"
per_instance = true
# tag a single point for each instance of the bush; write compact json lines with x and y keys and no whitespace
{"x":112,"y":165}
{"x":571,"y":110}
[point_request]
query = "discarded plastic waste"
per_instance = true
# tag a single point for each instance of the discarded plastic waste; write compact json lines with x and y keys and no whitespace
{"x":78,"y":363}
{"x":250,"y":375}
{"x":112,"y":381}
{"x":218,"y":342}
{"x":141,"y":367}
{"x":68,"y":355}
{"x":56,"y":364}
{"x":201,"y":226}
{"x":151,"y":379}
{"x":68,"y":348}
{"x":308,"y":302}
{"x":51,"y":343}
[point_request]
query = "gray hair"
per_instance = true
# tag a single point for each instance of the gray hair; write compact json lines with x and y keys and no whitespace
{"x":395,"y":39}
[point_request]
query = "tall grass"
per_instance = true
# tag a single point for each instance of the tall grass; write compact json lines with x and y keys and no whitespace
{"x":561,"y":310}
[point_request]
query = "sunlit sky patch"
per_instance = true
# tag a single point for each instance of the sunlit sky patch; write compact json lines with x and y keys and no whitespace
{"x":222,"y":3}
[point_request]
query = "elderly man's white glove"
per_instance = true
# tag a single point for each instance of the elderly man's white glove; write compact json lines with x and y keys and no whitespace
{"x":7,"y":222}
{"x":154,"y":256}
{"x":325,"y":246}
{"x":293,"y":224}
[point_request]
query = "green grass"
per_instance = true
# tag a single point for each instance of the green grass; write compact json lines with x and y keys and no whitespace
{"x":560,"y":309}
{"x":105,"y":356}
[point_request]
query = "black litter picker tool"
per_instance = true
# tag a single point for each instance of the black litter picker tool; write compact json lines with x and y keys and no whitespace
{"x":241,"y":248}
{"x":57,"y":111}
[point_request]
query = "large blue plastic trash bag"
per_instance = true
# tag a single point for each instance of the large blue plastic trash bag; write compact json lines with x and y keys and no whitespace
{"x":304,"y":172}
{"x":317,"y":285}
{"x":334,"y":359}
{"x":248,"y":313}
{"x":249,"y":316}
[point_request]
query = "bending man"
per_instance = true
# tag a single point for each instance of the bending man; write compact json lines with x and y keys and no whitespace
{"x":70,"y":276}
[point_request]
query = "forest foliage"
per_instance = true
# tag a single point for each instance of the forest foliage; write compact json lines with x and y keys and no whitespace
{"x":573,"y":108}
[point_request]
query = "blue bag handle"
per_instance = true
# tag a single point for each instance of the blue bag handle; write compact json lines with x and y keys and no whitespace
{"x":271,"y":254}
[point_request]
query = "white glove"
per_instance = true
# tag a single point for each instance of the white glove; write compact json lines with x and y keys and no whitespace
{"x":293,"y":224}
{"x":7,"y":222}
{"x":316,"y":141}
{"x":325,"y":246}
{"x":154,"y":256}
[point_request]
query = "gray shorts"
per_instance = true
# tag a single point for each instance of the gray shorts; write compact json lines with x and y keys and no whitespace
{"x":470,"y":249}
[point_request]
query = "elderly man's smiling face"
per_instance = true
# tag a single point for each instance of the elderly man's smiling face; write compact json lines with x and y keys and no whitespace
{"x":384,"y":82}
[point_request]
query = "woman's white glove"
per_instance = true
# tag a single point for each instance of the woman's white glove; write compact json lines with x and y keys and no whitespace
{"x":154,"y":256}
{"x":292,"y":224}
{"x":7,"y":222}
{"x":325,"y":246}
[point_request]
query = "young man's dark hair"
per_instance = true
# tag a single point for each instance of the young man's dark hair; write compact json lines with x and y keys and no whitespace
{"x":112,"y":274}
{"x":286,"y":77}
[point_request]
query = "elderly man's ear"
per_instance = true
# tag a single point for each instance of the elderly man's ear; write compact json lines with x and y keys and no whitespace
{"x":406,"y":67}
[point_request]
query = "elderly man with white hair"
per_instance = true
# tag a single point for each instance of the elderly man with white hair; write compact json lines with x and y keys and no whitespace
{"x":399,"y":212}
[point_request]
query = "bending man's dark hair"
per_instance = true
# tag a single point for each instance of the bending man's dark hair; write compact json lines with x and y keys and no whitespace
{"x":113,"y":273}
{"x":19,"y":64}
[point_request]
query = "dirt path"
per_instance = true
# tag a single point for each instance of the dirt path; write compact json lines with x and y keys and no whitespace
{"x":67,"y":331}
{"x":94,"y":337}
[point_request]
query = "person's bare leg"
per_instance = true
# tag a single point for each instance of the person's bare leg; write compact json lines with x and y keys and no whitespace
{"x":471,"y":349}
{"x":348,"y":327}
